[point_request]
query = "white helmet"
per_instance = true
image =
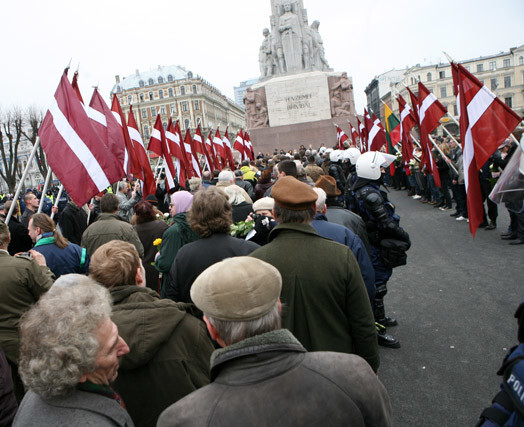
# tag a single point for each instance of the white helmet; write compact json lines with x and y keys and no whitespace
{"x":368,"y":165}
{"x":354,"y":154}
{"x":335,"y":156}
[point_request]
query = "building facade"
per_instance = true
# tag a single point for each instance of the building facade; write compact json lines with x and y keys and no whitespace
{"x":241,"y":90}
{"x":171,"y":91}
{"x":502,"y":73}
{"x":34,"y":178}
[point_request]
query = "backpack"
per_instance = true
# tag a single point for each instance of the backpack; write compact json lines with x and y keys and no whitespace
{"x":507,"y":408}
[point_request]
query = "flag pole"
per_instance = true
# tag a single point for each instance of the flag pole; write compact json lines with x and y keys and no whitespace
{"x":57,"y":199}
{"x":22,"y":180}
{"x":448,"y":160}
{"x":44,"y":190}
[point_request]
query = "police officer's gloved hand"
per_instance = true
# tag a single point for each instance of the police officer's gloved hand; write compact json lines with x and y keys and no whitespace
{"x":394,"y":231}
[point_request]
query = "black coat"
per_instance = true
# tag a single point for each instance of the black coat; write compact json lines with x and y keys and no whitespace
{"x":73,"y":223}
{"x":193,"y":258}
{"x":20,"y":240}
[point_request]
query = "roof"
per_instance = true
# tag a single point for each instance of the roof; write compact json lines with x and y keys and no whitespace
{"x":176,"y":72}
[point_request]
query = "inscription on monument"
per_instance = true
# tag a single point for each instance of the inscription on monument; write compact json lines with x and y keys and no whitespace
{"x":298,"y":99}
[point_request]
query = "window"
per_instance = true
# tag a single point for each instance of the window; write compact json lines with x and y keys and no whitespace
{"x":443,"y":92}
{"x":442,"y":74}
{"x":172,"y":108}
{"x":165,"y":125}
{"x":153,"y":111}
{"x":170,"y":92}
{"x":169,"y":77}
{"x":185,"y":106}
{"x":509,"y":101}
{"x":507,"y":81}
{"x":141,"y":97}
{"x":413,"y":81}
{"x":494,"y":84}
{"x":521,"y":60}
{"x":160,"y":79}
{"x":151,"y":82}
{"x":118,"y":89}
{"x":493,"y":65}
{"x":199,"y":121}
{"x":505,"y":63}
{"x":428,"y":77}
{"x":480,"y":68}
{"x":186,"y":123}
{"x":141,"y":83}
{"x":455,"y":112}
{"x":194,"y":89}
{"x":144,"y":113}
{"x":161,"y":94}
{"x":146,"y":131}
{"x":182,"y":90}
{"x":189,"y":74}
{"x":197,"y":105}
{"x":150,"y":96}
{"x":129,"y":99}
{"x":163,"y":109}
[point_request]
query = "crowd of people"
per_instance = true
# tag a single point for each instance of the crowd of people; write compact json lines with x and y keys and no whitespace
{"x":197,"y":307}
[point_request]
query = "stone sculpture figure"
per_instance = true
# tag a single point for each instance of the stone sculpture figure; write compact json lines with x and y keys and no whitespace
{"x":291,"y":36}
{"x":319,"y":60}
{"x":341,"y":93}
{"x":265,"y":56}
{"x":307,"y":47}
{"x":256,"y":108}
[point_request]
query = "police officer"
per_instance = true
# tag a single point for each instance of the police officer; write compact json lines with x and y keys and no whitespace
{"x":387,"y":239}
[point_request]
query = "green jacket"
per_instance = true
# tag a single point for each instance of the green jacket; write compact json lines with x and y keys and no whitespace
{"x":22,"y":281}
{"x":169,"y":351}
{"x":110,"y":227}
{"x":325,"y":300}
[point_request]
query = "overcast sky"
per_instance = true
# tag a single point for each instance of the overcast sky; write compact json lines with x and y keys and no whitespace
{"x":220,"y":39}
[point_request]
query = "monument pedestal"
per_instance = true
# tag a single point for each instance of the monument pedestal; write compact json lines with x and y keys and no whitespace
{"x":293,"y":136}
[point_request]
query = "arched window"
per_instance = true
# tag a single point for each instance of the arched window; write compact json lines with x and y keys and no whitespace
{"x":160,"y":79}
{"x":189,"y":74}
{"x":199,"y":121}
{"x":170,"y":91}
{"x":141,"y":83}
{"x":161,"y":94}
{"x":151,"y":82}
{"x":194,"y":88}
{"x":428,"y":77}
{"x":118,"y":89}
{"x":182,"y":90}
{"x":165,"y":125}
{"x":169,"y":77}
{"x":150,"y":96}
{"x":141,"y":97}
{"x":186,"y":123}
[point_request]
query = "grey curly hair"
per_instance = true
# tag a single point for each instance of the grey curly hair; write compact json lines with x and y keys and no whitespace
{"x":58,"y":336}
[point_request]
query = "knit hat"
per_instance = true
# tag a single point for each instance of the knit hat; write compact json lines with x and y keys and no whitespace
{"x":329,"y":185}
{"x":292,"y":194}
{"x":182,"y":201}
{"x":265,"y":203}
{"x":237,"y":289}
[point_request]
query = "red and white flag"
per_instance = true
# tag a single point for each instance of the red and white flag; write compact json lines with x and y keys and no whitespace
{"x":341,"y":138}
{"x":485,"y":122}
{"x":430,"y":112}
{"x":108,"y":129}
{"x":376,"y":134}
{"x":354,"y":135}
{"x":239,"y":145}
{"x":249,"y":146}
{"x":192,"y":156}
{"x":227,"y":148}
{"x":362,"y":135}
{"x":407,"y":122}
{"x":218,"y":146}
{"x":158,"y":144}
{"x":368,"y":125}
{"x":174,"y":142}
{"x":211,"y":151}
{"x":131,"y":164}
{"x":149,"y":186}
{"x":201,"y":148}
{"x":73,"y":149}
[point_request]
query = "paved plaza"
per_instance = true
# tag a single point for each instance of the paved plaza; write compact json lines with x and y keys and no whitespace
{"x":455,"y":302}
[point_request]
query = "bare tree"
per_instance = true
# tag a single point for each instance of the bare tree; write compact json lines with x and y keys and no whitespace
{"x":11,"y":124}
{"x":33,"y":118}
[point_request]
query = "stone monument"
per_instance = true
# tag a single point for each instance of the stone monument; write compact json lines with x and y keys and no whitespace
{"x":298,"y":94}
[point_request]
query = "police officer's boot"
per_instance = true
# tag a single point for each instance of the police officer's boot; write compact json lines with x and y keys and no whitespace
{"x":381,"y":321}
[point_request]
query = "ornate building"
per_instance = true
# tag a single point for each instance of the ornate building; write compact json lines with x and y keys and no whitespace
{"x":174,"y":92}
{"x":502,"y":73}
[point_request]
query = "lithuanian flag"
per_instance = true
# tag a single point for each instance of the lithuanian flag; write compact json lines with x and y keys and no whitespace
{"x":392,"y":133}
